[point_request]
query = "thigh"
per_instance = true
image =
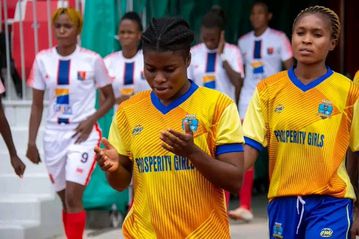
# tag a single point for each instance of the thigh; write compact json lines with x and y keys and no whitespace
{"x":284,"y":218}
{"x":332,"y":219}
{"x":81,"y":159}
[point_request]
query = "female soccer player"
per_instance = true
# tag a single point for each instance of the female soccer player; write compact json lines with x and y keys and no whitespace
{"x":70,"y":75}
{"x":308,"y":117}
{"x":16,"y":163}
{"x":181,"y":143}
{"x":264,"y":51}
{"x":126,"y":66}
{"x":216,"y":64}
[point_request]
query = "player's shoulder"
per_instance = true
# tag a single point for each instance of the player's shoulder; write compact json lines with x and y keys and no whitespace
{"x":88,"y":53}
{"x":135,"y":100}
{"x":273,"y":80}
{"x":246,"y":37}
{"x":197,"y":48}
{"x":231,"y":47}
{"x":45,"y":53}
{"x":211,"y":96}
{"x":276,"y":32}
{"x":112,"y":56}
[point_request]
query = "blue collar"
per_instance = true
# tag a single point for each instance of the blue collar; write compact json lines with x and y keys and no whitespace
{"x":164,"y":109}
{"x":312,"y":84}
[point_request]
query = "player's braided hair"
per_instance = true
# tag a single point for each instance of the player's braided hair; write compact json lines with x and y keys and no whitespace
{"x":214,"y":18}
{"x":133,"y":16}
{"x":332,"y":16}
{"x":168,"y":34}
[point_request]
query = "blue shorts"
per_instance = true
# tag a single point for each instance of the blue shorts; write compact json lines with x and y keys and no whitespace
{"x":310,"y":217}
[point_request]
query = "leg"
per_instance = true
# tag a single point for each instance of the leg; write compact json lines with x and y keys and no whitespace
{"x":332,"y":219}
{"x":243,"y":212}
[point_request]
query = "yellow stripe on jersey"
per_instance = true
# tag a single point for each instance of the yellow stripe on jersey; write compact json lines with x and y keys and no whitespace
{"x":308,"y":132}
{"x":172,"y":199}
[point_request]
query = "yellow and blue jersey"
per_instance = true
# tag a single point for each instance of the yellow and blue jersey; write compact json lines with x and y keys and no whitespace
{"x":308,"y":129}
{"x":172,"y":199}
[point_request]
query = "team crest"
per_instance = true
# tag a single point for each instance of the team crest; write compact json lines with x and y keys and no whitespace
{"x":277,"y":230}
{"x":325,"y":109}
{"x":81,"y":75}
{"x":270,"y":50}
{"x":192,"y":121}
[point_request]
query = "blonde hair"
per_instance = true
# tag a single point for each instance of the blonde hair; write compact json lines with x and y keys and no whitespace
{"x":73,"y":14}
{"x":330,"y":14}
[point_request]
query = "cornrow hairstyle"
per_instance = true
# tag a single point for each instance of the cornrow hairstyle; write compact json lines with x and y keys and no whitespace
{"x":133,"y":16}
{"x":168,"y":34}
{"x":330,"y":14}
{"x":214,"y":18}
{"x":74,"y":15}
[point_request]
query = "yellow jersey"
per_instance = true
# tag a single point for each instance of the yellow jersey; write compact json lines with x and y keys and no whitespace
{"x":356,"y":78}
{"x":308,"y":129}
{"x":171,"y":198}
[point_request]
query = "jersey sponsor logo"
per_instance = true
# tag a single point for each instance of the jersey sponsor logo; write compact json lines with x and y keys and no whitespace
{"x":137,"y":129}
{"x":279,"y":108}
{"x":163,"y":163}
{"x":277,"y":230}
{"x":270,"y":50}
{"x":81,"y":75}
{"x":325,"y":109}
{"x":209,"y":81}
{"x":326,"y":232}
{"x":192,"y":121}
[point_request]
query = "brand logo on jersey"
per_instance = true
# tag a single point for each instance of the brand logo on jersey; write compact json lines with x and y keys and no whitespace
{"x":326,"y":232}
{"x":79,"y":170}
{"x":277,"y":230}
{"x":270,"y":50}
{"x":192,"y":121}
{"x":137,"y":130}
{"x":81,"y":75}
{"x":325,"y":109}
{"x":279,"y":108}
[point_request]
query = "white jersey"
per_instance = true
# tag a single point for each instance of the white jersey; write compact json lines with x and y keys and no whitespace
{"x":2,"y":88}
{"x":263,"y":56}
{"x":206,"y":67}
{"x":70,"y":82}
{"x":126,"y":73}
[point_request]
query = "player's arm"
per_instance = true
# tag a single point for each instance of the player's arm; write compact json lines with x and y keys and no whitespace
{"x":16,"y":162}
{"x":118,"y":168}
{"x":35,"y":119}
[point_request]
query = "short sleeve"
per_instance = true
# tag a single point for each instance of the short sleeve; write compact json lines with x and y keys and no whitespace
{"x":119,"y":135}
{"x":254,"y":126}
{"x":354,"y":132}
{"x":235,"y":57}
{"x":36,"y":78}
{"x":229,"y":134}
{"x":102,"y":78}
{"x":286,"y":48}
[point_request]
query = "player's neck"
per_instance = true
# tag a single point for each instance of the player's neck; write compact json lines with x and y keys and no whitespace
{"x":308,"y":73}
{"x":129,"y":52}
{"x":66,"y":50}
{"x":259,"y":31}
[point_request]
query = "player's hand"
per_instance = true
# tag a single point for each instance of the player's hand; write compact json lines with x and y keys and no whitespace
{"x":32,"y":153}
{"x":107,"y":158}
{"x":18,"y":165}
{"x":178,"y":143}
{"x":221,"y":43}
{"x":354,"y":231}
{"x":83,"y":130}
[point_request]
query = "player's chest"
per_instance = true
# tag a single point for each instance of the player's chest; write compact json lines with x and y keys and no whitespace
{"x":69,"y":73}
{"x":260,"y":49}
